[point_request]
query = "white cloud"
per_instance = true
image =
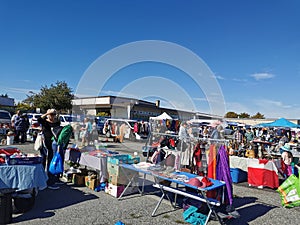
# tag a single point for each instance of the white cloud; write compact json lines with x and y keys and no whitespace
{"x":200,"y":99}
{"x":269,"y":108}
{"x":239,"y":80}
{"x":220,"y":77}
{"x":21,"y":90}
{"x":272,"y":103}
{"x":262,"y":76}
{"x":277,"y":109}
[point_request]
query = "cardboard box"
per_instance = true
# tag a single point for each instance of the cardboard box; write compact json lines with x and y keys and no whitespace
{"x":118,"y":180}
{"x":91,"y":182}
{"x":116,"y":170}
{"x":78,"y":179}
{"x":114,"y":190}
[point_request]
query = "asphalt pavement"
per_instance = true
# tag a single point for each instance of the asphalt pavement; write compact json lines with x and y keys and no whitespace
{"x":79,"y":205}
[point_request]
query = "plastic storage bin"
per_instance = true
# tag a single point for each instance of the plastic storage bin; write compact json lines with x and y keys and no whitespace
{"x":238,"y":175}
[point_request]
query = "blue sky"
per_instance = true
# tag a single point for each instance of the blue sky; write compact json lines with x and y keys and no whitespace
{"x":252,"y":47}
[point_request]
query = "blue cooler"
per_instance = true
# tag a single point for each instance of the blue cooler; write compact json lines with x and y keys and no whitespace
{"x":238,"y":175}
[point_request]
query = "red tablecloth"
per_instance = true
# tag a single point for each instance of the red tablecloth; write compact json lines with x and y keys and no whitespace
{"x":263,"y":173}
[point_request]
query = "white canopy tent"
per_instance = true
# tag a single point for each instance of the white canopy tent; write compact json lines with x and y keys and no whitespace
{"x":163,"y":116}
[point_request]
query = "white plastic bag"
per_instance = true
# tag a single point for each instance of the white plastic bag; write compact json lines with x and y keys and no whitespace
{"x":38,"y":144}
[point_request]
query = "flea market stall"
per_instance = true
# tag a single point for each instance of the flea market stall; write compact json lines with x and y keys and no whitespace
{"x":203,"y":158}
{"x":91,"y":157}
{"x":163,"y":128}
{"x":21,"y":177}
{"x":124,"y":174}
{"x":260,"y":162}
{"x":257,"y":172}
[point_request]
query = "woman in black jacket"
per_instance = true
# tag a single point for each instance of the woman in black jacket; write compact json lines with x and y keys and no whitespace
{"x":48,"y":121}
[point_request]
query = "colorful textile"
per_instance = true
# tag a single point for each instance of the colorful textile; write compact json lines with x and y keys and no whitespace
{"x":193,"y":217}
{"x":260,"y":174}
{"x":212,"y":162}
{"x":223,"y":172}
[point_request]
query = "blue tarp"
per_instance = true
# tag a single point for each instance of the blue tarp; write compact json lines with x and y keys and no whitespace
{"x":282,"y":122}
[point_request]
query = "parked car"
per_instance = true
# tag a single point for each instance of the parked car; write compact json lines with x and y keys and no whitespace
{"x":66,"y":119}
{"x":100,"y":120}
{"x":33,"y":118}
{"x":5,"y":117}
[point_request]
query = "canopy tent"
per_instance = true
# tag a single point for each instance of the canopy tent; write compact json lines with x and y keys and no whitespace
{"x":163,"y":116}
{"x":282,"y":122}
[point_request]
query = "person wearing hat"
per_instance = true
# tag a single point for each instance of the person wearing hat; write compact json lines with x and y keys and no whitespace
{"x":48,"y":121}
{"x":287,"y":165}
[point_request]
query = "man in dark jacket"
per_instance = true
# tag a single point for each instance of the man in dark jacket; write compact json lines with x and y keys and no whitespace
{"x":21,"y":125}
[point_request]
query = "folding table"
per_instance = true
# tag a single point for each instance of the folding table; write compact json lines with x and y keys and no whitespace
{"x":17,"y":178}
{"x":84,"y":159}
{"x":22,"y":177}
{"x":201,"y":195}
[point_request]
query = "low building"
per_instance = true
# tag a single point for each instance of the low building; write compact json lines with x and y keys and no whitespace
{"x":7,"y":102}
{"x":129,"y":108}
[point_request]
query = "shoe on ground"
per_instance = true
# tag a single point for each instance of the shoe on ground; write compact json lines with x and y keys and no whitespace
{"x":59,"y":182}
{"x":53,"y":187}
{"x":234,"y":214}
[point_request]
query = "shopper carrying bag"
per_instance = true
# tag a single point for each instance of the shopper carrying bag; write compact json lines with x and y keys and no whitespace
{"x":56,"y":166}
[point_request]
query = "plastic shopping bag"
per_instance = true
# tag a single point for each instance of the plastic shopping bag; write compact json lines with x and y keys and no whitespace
{"x":38,"y":144}
{"x":289,"y":192}
{"x":56,"y":165}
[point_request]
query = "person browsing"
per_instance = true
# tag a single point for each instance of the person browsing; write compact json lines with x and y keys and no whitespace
{"x":49,"y":120}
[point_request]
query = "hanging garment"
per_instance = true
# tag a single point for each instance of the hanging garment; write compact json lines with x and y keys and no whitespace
{"x":197,"y":160}
{"x":223,"y":172}
{"x":212,"y":161}
{"x":186,"y":154}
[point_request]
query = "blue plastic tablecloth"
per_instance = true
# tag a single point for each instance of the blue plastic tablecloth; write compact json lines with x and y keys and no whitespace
{"x":22,"y":177}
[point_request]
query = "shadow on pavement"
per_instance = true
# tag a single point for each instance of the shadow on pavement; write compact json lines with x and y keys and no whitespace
{"x":250,"y":213}
{"x":47,"y":201}
{"x":242,"y":201}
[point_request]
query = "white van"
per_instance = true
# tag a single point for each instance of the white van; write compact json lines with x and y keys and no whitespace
{"x":33,"y":118}
{"x":66,"y":119}
{"x":5,"y":117}
{"x":115,"y":126}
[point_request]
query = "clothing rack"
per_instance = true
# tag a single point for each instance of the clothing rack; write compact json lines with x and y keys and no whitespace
{"x":165,"y":134}
{"x":194,"y":141}
{"x":213,"y":140}
{"x":151,"y":134}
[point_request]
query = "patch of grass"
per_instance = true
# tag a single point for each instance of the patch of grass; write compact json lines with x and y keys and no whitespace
{"x":166,"y":216}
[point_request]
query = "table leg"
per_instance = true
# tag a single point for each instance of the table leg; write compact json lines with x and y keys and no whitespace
{"x":160,"y":200}
{"x":143,"y":184}
{"x":131,"y":180}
